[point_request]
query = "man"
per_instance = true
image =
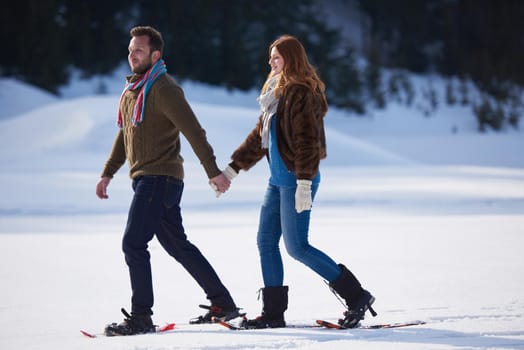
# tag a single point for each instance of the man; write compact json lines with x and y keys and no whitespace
{"x":152,"y":114}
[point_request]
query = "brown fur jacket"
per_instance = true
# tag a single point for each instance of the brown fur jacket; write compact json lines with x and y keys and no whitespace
{"x":300,"y":134}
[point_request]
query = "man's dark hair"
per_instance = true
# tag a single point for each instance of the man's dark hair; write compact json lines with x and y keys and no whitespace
{"x":156,"y":43}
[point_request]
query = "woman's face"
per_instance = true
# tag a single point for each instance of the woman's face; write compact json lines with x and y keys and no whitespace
{"x":276,"y":61}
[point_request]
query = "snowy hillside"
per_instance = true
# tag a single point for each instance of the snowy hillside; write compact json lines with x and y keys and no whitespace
{"x":427,"y":212}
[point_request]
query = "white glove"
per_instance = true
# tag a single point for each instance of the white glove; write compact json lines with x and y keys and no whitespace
{"x":303,"y":199}
{"x":230,"y":173}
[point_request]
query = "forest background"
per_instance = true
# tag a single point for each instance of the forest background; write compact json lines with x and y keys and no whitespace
{"x":366,"y":51}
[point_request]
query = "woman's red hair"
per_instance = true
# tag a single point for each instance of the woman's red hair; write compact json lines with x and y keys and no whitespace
{"x":297,"y":69}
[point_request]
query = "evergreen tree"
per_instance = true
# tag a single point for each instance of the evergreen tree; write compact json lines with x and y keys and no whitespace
{"x":33,"y":35}
{"x":477,"y":40}
{"x":97,"y":36}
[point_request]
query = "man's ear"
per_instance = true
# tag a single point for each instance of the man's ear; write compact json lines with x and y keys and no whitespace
{"x":156,"y":55}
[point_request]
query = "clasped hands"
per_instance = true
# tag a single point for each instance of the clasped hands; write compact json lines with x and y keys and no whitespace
{"x":220,"y":183}
{"x":303,"y":200}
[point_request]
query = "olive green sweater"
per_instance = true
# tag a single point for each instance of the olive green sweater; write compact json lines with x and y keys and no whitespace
{"x":153,"y":146}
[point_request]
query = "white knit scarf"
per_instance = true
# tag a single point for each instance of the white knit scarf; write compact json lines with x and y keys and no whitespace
{"x":268,"y":105}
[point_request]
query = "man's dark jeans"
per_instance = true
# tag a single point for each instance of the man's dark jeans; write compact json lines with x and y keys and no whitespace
{"x":155,"y":209}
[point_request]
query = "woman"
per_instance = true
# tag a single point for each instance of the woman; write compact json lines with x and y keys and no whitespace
{"x":290,"y":133}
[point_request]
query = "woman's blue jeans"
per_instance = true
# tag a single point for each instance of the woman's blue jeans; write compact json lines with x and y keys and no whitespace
{"x":278,"y":217}
{"x":155,"y":209}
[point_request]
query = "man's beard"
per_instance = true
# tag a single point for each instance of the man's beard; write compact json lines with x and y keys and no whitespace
{"x":142,"y":68}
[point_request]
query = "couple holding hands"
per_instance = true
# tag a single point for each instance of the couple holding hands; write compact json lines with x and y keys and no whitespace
{"x":152,"y":114}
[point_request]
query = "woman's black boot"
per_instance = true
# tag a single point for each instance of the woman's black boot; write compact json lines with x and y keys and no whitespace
{"x":358,"y":300}
{"x":274,"y":301}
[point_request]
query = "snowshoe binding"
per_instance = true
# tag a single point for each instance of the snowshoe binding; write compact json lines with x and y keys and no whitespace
{"x":355,"y":314}
{"x":132,"y":324}
{"x":215,"y":313}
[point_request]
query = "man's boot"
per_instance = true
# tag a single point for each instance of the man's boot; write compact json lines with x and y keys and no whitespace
{"x":132,"y":324}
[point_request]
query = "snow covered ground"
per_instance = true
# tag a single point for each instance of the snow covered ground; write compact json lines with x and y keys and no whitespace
{"x":428,"y":213}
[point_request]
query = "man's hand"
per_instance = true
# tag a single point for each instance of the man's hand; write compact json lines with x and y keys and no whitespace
{"x":101,"y":187}
{"x":219,"y":184}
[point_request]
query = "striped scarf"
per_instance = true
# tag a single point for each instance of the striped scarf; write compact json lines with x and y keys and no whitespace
{"x":146,"y":81}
